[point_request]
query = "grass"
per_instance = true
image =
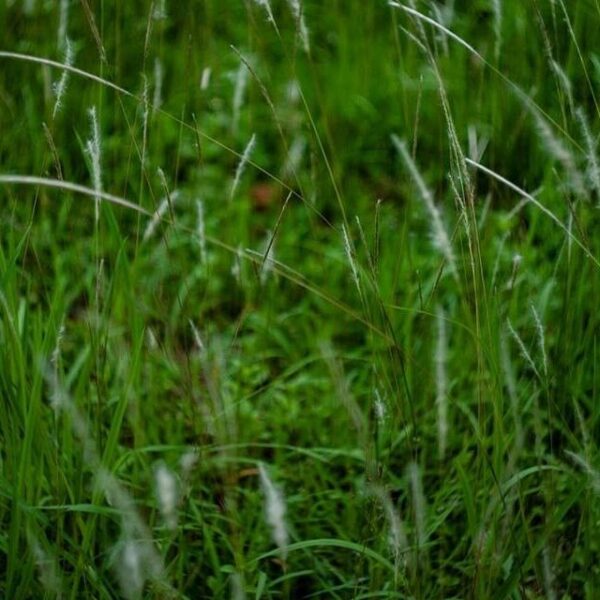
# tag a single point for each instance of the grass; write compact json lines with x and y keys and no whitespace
{"x":307,"y":307}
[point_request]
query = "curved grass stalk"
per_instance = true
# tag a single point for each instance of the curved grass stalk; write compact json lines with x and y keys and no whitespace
{"x":537,"y":204}
{"x":507,"y":80}
{"x":280,"y":268}
{"x":121,"y":90}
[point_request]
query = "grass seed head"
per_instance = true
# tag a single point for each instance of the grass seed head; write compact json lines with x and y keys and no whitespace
{"x":275,"y":510}
{"x":60,"y":87}
{"x":167,"y":493}
{"x":242,"y":165}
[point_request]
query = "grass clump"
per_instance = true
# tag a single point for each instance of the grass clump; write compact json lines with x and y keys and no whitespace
{"x":232,"y":362}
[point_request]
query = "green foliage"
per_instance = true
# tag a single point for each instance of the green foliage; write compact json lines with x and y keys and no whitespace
{"x":431,"y":427}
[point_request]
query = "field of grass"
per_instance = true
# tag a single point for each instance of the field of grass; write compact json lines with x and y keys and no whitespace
{"x":299,"y":299}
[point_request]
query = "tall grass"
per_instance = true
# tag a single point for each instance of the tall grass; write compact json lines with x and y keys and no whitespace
{"x":238,"y":369}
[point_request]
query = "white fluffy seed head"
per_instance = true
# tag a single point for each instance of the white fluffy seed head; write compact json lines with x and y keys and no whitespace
{"x":418,"y":500}
{"x":131,"y":572}
{"x":187,"y":463}
{"x":239,"y":91}
{"x":298,"y":12}
{"x":564,"y":81}
{"x":158,"y":81}
{"x":560,"y":152}
{"x":151,"y":341}
{"x":93,"y":147}
{"x":586,"y":467}
{"x":441,"y":354}
{"x":294,"y":156}
{"x":440,"y":237}
{"x":167,"y":493}
{"x":47,"y":567}
{"x":593,"y":168}
{"x":60,"y":87}
{"x":197,"y":338}
{"x":145,"y":117}
{"x":136,"y":562}
{"x":205,"y":78}
{"x":380,"y":407}
{"x":350,"y":255}
{"x":236,"y":266}
{"x":497,"y":10}
{"x":237,"y":587}
{"x":266,"y":5}
{"x":63,"y":21}
{"x":268,"y":261}
{"x":541,"y":339}
{"x":511,"y":388}
{"x":522,"y":348}
{"x":160,"y":10}
{"x":159,"y":214}
{"x":548,"y":575}
{"x":57,"y":347}
{"x":242,"y":165}
{"x":275,"y":510}
{"x":396,"y":534}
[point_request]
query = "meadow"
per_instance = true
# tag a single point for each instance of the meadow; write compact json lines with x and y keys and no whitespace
{"x":299,"y":299}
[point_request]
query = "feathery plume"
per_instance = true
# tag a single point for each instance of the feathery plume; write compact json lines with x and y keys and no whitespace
{"x":57,"y":347}
{"x":587,"y":468}
{"x":565,"y":82}
{"x":497,"y":10}
{"x":160,"y":11}
{"x":138,"y":559}
{"x":298,"y":12}
{"x":522,"y":347}
{"x":63,"y":20}
{"x":167,"y":494}
{"x":197,"y":337}
{"x":60,"y":87}
{"x":380,"y":407}
{"x":294,"y":156}
{"x":29,"y":6}
{"x":541,"y":339}
{"x":439,"y":17}
{"x":266,"y":4}
{"x":516,"y":265}
{"x":236,"y":267}
{"x":241,"y":82}
{"x":511,"y":387}
{"x":274,"y":510}
{"x":548,"y":574}
{"x":145,"y":117}
{"x":93,"y":149}
{"x":440,"y":237}
{"x":593,"y":169}
{"x":418,"y":499}
{"x":135,"y":562}
{"x":268,"y":260}
{"x":397,"y":536}
{"x":557,"y":149}
{"x":151,"y":341}
{"x":205,"y":78}
{"x":441,"y":357}
{"x":237,"y":587}
{"x":158,"y":82}
{"x":242,"y":165}
{"x":350,"y":255}
{"x":187,"y":462}
{"x":47,"y":566}
{"x":130,"y":572}
{"x":159,"y":213}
